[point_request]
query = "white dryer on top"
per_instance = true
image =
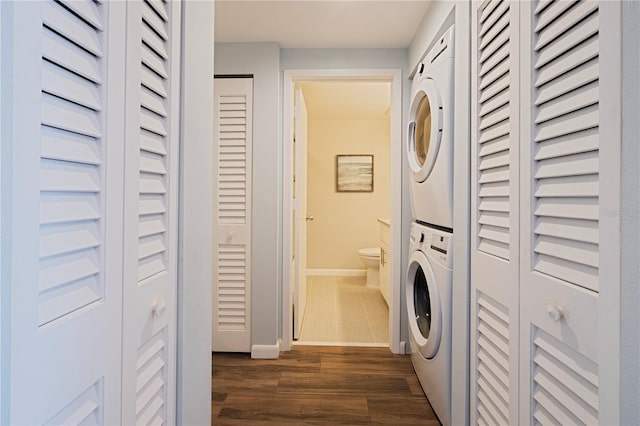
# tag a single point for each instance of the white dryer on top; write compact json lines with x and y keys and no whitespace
{"x":430,"y":144}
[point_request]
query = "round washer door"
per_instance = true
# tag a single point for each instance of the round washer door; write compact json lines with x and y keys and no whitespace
{"x":425,"y":129}
{"x":423,"y":305}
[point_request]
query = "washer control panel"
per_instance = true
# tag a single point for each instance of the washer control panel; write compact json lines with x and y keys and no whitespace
{"x":434,"y":243}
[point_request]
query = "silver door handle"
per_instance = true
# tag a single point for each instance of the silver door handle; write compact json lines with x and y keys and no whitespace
{"x":309,"y":218}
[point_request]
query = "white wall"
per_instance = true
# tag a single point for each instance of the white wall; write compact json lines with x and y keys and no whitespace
{"x":440,"y":16}
{"x":345,"y":221}
{"x":630,"y":219}
{"x":195,"y":274}
{"x":3,"y":228}
{"x":292,"y":59}
{"x":263,"y":61}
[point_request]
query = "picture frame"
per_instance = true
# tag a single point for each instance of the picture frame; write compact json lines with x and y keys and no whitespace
{"x":354,"y":173}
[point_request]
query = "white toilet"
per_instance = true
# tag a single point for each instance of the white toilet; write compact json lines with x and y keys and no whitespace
{"x":371,"y":258}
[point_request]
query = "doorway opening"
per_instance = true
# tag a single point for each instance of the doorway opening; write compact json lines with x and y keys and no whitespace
{"x":341,"y":213}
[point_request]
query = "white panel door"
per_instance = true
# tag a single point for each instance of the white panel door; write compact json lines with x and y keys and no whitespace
{"x":570,"y":163}
{"x":67,"y":210}
{"x":150,"y":223}
{"x":301,"y":215}
{"x":494,"y":224}
{"x":232,"y":219}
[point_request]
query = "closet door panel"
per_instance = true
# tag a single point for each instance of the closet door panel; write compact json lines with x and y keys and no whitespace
{"x":67,"y":208}
{"x":563,"y":192}
{"x":233,"y":122}
{"x":150,"y":217}
{"x":494,"y":210}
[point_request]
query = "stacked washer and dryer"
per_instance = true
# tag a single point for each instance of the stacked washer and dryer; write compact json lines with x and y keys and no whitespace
{"x":429,"y":277}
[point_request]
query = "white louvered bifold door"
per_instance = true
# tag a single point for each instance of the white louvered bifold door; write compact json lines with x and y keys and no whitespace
{"x":494,"y":212}
{"x":68,"y":77}
{"x":232,"y":218}
{"x":151,"y":200}
{"x":569,"y":168}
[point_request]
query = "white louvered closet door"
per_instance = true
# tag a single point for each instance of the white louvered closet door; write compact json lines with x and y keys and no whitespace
{"x":67,"y":205}
{"x":495,"y":215}
{"x":232,"y":220}
{"x":150,"y":219}
{"x":570,"y":166}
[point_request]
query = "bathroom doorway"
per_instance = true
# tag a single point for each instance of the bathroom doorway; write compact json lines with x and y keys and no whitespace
{"x":342,"y":195}
{"x":341,"y":192}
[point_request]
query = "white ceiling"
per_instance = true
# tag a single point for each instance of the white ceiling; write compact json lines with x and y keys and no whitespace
{"x":347,"y":100}
{"x":320,"y":23}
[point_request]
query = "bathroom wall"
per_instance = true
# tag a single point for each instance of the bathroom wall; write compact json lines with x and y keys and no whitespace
{"x":344,"y":221}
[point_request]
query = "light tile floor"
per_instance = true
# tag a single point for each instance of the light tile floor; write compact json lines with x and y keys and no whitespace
{"x":343,"y":310}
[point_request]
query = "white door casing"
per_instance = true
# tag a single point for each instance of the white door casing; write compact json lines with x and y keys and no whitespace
{"x":67,"y":212}
{"x":494,"y":211}
{"x":300,"y":203}
{"x":150,"y":224}
{"x":233,"y":126}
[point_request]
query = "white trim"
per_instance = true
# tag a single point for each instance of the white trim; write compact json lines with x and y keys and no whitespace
{"x":610,"y":162}
{"x":336,"y":272}
{"x":265,"y":351}
{"x":196,"y":210}
{"x":394,"y":76}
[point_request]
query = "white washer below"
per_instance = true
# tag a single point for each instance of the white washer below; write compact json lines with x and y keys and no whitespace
{"x":429,"y":283}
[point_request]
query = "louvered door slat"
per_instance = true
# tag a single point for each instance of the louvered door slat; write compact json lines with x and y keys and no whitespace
{"x":87,"y":10}
{"x":496,"y":22}
{"x":551,"y":13}
{"x":561,"y":42}
{"x":581,"y":55}
{"x":76,"y":90}
{"x":66,"y":115}
{"x":155,"y":42}
{"x":71,"y":27}
{"x":54,"y":242}
{"x":66,"y":146}
{"x":571,"y":229}
{"x":570,"y":102}
{"x":152,"y":19}
{"x":153,"y":61}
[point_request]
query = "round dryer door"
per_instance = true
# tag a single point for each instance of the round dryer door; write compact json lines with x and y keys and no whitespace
{"x":423,"y":305}
{"x":425,"y":129}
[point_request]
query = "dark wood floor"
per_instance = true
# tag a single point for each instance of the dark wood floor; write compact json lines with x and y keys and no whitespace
{"x":319,"y":385}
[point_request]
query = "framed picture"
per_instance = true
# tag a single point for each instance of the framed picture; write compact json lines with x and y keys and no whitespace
{"x":354,"y":173}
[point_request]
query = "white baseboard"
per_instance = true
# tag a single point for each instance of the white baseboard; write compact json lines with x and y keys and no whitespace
{"x":265,"y":351}
{"x":338,"y":272}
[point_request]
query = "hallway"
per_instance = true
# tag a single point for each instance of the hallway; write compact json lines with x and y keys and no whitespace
{"x":318,"y":385}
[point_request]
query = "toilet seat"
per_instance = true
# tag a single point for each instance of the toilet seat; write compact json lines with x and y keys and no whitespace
{"x":369,"y":252}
